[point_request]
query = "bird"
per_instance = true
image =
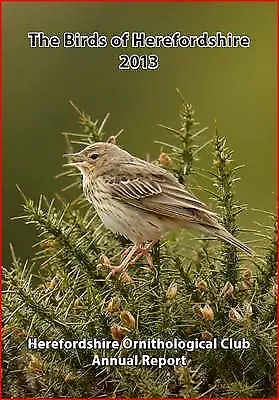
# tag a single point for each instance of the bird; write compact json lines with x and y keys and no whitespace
{"x":141,"y":201}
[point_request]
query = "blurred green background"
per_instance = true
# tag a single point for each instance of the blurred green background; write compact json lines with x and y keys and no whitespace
{"x":235,"y":86}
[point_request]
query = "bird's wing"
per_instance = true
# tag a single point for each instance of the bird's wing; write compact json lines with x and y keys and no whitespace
{"x":162,"y":195}
{"x":133,"y":189}
{"x":155,"y":190}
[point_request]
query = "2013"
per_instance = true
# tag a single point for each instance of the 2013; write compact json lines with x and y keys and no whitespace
{"x":146,"y":61}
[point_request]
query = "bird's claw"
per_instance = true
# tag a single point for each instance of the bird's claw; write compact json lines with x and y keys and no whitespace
{"x":129,"y":257}
{"x":144,"y":252}
{"x":116,"y":270}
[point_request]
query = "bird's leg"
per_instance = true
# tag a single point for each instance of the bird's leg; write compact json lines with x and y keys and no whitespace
{"x":125,"y":261}
{"x":137,"y":251}
{"x":151,"y":245}
{"x":148,"y":254}
{"x":125,"y":252}
{"x":145,"y":252}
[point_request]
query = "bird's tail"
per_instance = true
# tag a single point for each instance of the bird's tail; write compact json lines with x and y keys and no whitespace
{"x":223,"y":234}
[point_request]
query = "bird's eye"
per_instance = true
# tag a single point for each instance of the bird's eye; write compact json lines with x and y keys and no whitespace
{"x":94,"y":156}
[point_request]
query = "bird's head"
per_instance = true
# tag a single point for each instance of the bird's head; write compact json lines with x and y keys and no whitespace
{"x":94,"y":157}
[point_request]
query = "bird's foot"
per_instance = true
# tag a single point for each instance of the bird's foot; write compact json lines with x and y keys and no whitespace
{"x":128,"y":257}
{"x":140,"y":252}
{"x":144,"y":252}
{"x":147,"y":253}
{"x":125,"y":253}
{"x":116,"y":270}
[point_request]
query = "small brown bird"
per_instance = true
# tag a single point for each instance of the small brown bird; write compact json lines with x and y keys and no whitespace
{"x":141,"y":201}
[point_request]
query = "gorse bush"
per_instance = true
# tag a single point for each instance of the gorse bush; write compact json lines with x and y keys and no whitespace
{"x":198,"y":290}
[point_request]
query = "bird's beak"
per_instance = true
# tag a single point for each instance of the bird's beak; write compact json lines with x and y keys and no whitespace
{"x":77,"y":160}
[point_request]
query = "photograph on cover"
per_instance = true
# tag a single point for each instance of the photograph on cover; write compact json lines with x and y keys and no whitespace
{"x":139,"y":227}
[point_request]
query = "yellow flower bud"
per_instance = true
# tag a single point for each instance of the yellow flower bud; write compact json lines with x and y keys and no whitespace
{"x":35,"y":365}
{"x":112,"y":139}
{"x":69,"y":377}
{"x":105,"y":261}
{"x":227,"y":290}
{"x":127,"y":319}
{"x":248,"y":310}
{"x":19,"y":332}
{"x":114,"y":305}
{"x":171,"y":291}
{"x":118,"y":332}
{"x":234,"y":315}
{"x":165,"y":160}
{"x":6,"y":331}
{"x":247,"y":273}
{"x":201,"y":285}
{"x":78,"y":303}
{"x":206,"y":335}
{"x":207,"y":312}
{"x":52,"y":284}
{"x":247,"y":283}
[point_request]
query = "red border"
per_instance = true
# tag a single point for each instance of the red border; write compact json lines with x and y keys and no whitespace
{"x":140,"y":1}
{"x":139,"y":398}
{"x":145,"y":1}
{"x":277,"y":192}
{"x":1,"y":263}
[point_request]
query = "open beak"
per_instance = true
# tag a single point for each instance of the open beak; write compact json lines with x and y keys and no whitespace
{"x":77,"y":159}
